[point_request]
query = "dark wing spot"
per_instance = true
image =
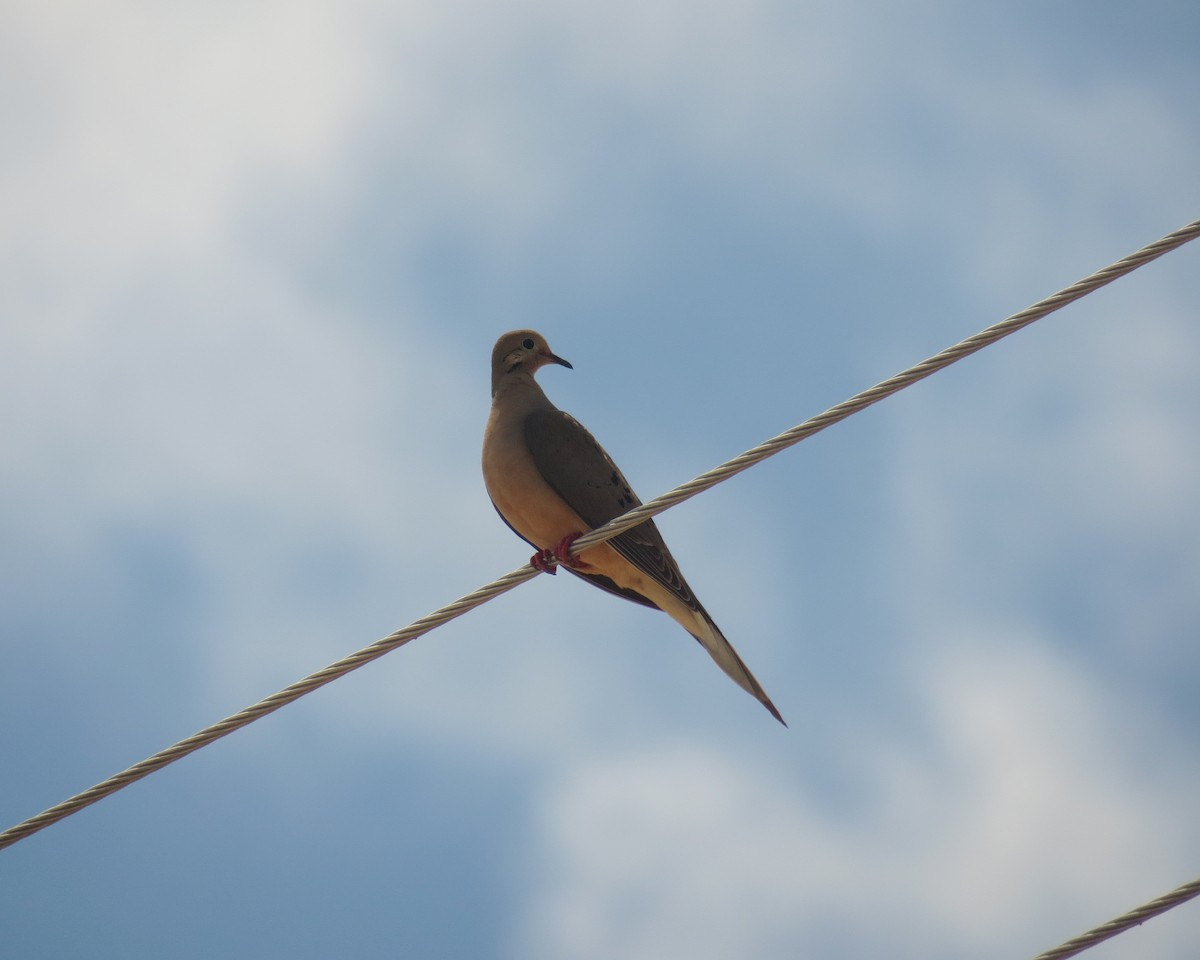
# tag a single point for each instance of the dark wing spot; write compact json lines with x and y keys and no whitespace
{"x":614,"y":480}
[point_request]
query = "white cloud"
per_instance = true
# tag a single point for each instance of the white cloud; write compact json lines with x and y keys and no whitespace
{"x":1025,"y":812}
{"x":171,"y":364}
{"x":166,"y":368}
{"x":1058,"y":477}
{"x":158,"y":129}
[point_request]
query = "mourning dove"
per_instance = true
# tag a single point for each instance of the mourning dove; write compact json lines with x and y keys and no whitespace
{"x":550,"y":481}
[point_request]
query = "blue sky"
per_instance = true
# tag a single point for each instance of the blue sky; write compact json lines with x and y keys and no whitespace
{"x":254,"y":257}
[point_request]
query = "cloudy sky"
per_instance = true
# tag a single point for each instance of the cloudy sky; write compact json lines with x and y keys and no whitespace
{"x":253,"y":258}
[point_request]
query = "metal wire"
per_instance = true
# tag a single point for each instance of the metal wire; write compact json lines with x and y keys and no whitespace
{"x":268,"y":705}
{"x":1122,"y":923}
{"x":887,"y":388}
{"x":656,"y":506}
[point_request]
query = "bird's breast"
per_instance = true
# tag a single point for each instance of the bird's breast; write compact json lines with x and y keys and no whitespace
{"x":523,"y":497}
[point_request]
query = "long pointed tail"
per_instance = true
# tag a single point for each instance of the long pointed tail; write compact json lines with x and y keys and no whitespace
{"x":721,"y":650}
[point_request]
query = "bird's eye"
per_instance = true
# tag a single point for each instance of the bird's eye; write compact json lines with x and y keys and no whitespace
{"x":527,"y":343}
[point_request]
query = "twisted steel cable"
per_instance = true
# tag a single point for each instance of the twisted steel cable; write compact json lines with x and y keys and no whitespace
{"x":1124,"y":922}
{"x":654,"y":507}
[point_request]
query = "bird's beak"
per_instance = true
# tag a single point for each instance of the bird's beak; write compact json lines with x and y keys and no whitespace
{"x":551,"y":358}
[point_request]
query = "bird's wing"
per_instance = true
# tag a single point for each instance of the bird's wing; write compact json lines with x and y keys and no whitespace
{"x":577,"y":468}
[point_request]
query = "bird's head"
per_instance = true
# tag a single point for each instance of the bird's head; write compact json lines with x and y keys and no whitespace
{"x":521,"y":351}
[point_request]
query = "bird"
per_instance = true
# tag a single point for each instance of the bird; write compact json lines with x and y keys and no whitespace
{"x":551,"y":482}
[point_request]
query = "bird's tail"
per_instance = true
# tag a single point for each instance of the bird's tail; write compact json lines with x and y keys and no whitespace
{"x":700,"y":625}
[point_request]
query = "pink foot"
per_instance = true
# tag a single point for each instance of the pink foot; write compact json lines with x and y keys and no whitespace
{"x":547,"y":561}
{"x":563,"y":550}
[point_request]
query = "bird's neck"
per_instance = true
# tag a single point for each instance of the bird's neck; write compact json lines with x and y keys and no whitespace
{"x":520,"y":392}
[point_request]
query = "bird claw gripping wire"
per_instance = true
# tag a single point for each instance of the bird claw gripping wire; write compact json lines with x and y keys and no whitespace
{"x":547,"y":560}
